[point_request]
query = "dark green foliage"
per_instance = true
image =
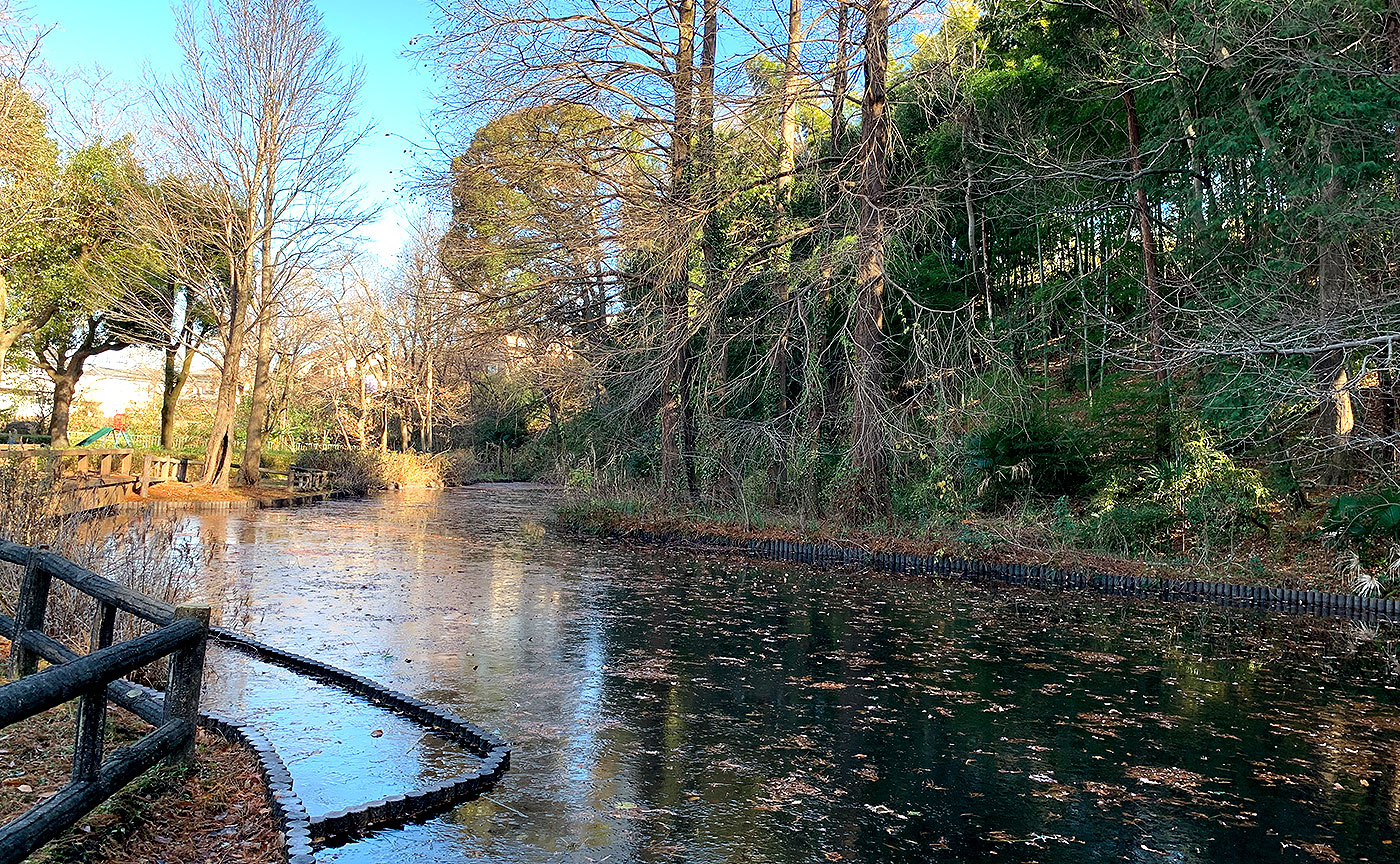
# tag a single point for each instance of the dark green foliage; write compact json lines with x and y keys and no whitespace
{"x":1365,"y":517}
{"x":1201,"y":492}
{"x":1035,"y":456}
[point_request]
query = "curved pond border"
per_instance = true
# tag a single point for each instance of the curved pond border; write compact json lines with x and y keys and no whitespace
{"x":285,"y":804}
{"x":394,"y":809}
{"x":1299,"y":602}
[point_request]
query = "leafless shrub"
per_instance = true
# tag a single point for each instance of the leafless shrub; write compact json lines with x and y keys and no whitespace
{"x":146,"y":552}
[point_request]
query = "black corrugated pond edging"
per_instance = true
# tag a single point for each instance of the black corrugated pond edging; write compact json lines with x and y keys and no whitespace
{"x":493,"y":752}
{"x":1299,"y":602}
{"x":285,"y":804}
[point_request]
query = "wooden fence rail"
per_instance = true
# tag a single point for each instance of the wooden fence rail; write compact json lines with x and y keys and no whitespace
{"x":119,"y":467}
{"x":182,"y":633}
{"x":299,"y":479}
{"x":85,"y":461}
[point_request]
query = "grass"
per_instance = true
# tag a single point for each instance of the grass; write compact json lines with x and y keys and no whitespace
{"x":1289,"y":556}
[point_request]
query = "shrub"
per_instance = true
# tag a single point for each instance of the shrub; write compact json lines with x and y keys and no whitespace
{"x":1365,"y":517}
{"x":1201,"y":491}
{"x":932,"y":492}
{"x":1365,"y":528}
{"x":352,"y":471}
{"x":458,"y":467}
{"x":145,"y":552}
{"x":1036,"y":456}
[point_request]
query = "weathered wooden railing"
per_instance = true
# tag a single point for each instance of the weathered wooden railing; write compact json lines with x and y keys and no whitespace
{"x":85,"y":461}
{"x":93,"y":467}
{"x":181,"y":633}
{"x":299,"y":479}
{"x":162,"y":469}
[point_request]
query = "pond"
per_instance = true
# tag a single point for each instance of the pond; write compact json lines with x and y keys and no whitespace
{"x":669,"y":708}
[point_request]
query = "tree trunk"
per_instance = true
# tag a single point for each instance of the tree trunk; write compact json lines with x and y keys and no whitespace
{"x":675,"y":280}
{"x":782,"y":271}
{"x":64,"y":385}
{"x":250,"y":472}
{"x":979,"y":278}
{"x":840,"y":76}
{"x":816,"y":386}
{"x":1162,"y":423}
{"x":1390,"y":413}
{"x":175,"y":378}
{"x":869,"y":456}
{"x":1329,"y":367}
{"x":219,"y":451}
{"x":7,"y":341}
{"x":362,"y":429}
{"x":427,"y":434}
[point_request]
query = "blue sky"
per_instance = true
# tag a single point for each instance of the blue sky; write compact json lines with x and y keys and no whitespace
{"x":124,"y":36}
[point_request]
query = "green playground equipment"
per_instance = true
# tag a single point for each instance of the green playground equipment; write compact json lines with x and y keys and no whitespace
{"x":119,"y":439}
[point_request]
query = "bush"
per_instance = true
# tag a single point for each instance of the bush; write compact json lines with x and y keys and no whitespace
{"x":933,"y":492}
{"x":1365,"y":517}
{"x":352,"y":471}
{"x":1201,"y":491}
{"x":1036,"y":456}
{"x":144,"y":552}
{"x":1365,"y":528}
{"x":458,"y":467}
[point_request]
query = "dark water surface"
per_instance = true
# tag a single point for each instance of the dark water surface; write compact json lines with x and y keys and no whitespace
{"x":669,"y":709}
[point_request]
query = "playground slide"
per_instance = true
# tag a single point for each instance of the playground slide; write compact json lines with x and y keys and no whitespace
{"x":96,"y":436}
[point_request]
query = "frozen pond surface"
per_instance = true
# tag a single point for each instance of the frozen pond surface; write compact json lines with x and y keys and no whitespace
{"x":668,"y":709}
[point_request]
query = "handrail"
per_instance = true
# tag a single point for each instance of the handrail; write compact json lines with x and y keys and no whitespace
{"x":182,"y":636}
{"x":104,"y":590}
{"x":136,"y":698}
{"x":35,"y":827}
{"x":58,"y":684}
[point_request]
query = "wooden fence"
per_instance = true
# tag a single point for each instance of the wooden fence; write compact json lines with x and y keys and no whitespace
{"x":86,"y":462}
{"x":88,"y":468}
{"x":161,"y":469}
{"x":181,"y":633}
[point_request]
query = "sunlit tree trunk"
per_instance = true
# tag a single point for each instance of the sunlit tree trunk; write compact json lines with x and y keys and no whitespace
{"x":869,"y":447}
{"x":250,"y":471}
{"x":219,"y":450}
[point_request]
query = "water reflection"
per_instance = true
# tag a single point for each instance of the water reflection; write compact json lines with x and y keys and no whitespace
{"x":667,"y":709}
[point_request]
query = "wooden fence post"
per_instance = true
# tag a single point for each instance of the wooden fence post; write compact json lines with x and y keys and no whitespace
{"x":87,"y":736}
{"x":30,"y":607}
{"x":186,"y":678}
{"x":92,"y":705}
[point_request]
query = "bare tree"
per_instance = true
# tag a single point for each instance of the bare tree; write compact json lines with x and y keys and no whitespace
{"x":263,"y":114}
